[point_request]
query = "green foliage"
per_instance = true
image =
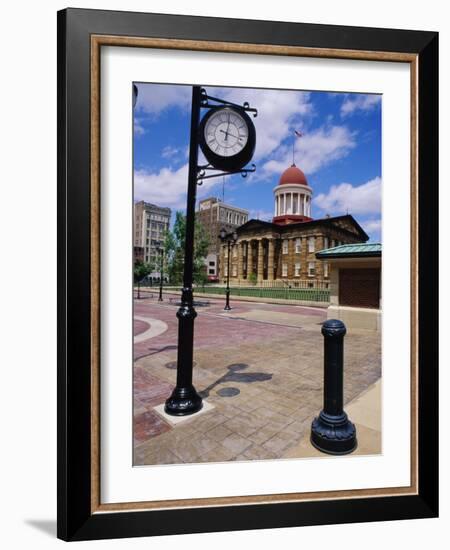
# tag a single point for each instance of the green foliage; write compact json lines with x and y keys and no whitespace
{"x":174,"y":249}
{"x":252,"y":278}
{"x":141,"y":270}
{"x":201,"y":278}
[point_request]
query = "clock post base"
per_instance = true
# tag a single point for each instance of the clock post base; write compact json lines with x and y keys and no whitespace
{"x":183,"y":401}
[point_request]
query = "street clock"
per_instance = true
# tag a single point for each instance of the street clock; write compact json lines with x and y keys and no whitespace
{"x":227,"y":138}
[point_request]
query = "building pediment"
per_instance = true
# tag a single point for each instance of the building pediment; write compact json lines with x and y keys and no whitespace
{"x":345,"y":223}
{"x":348,"y":223}
{"x":254,"y":225}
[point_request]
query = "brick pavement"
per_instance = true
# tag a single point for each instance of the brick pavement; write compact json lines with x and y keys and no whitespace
{"x":259,"y":365}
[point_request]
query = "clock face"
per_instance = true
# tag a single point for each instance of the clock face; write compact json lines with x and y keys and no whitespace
{"x":227,"y":138}
{"x":226,"y":132}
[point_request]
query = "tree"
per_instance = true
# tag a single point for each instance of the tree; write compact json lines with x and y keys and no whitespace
{"x":252,"y":278}
{"x":174,"y":247}
{"x":201,"y":278}
{"x":141,"y":270}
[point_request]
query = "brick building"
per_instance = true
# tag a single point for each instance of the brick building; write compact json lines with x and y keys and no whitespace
{"x":355,"y":284}
{"x":138,"y":253}
{"x":285,"y":249}
{"x":213,"y":215}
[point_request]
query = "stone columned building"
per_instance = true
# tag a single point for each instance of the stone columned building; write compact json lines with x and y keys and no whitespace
{"x":283,"y":251}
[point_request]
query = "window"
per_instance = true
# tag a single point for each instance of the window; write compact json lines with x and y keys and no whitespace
{"x":311,"y":244}
{"x":235,"y":251}
{"x":297,"y":269}
{"x":212,"y":264}
{"x":225,"y":271}
{"x":285,"y":246}
{"x":298,"y":246}
{"x":234,"y":271}
{"x":211,"y":271}
{"x":311,"y":269}
{"x":325,"y":270}
{"x":284,"y":270}
{"x":325,"y":242}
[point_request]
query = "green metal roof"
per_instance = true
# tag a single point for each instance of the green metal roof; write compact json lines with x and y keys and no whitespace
{"x":358,"y":250}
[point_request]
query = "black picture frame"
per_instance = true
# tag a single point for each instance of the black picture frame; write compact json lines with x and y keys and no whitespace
{"x":76,"y":519}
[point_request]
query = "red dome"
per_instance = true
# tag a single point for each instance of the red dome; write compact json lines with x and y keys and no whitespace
{"x":293,"y":175}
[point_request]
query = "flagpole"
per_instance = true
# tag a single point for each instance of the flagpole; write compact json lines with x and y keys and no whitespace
{"x":293,"y":147}
{"x":296,"y":134}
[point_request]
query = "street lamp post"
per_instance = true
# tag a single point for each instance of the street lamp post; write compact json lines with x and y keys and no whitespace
{"x":161,"y":268}
{"x":230,"y":239}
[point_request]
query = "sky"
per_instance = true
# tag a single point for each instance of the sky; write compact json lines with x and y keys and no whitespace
{"x":339,"y":151}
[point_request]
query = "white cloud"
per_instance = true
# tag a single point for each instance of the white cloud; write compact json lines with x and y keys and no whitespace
{"x":314,"y":150}
{"x":164,"y":188}
{"x":139,"y":130}
{"x":168,"y":187}
{"x":155,"y":98}
{"x":371,"y":226}
{"x":278,"y":113}
{"x":360,"y":102}
{"x":362,"y":199}
{"x":261,"y":215}
{"x":169,"y":152}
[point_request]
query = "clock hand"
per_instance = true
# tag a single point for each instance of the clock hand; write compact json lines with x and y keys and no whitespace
{"x":228,"y":134}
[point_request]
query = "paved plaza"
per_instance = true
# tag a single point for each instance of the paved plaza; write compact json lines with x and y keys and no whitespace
{"x":259,"y":367}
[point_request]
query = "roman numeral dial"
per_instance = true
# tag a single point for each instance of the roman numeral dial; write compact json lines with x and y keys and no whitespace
{"x":226,"y":132}
{"x":227,"y":138}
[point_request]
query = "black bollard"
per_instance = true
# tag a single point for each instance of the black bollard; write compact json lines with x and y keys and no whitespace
{"x":332,"y":432}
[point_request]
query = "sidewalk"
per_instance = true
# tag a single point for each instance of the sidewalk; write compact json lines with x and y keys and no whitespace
{"x":260,"y":367}
{"x":365,"y":413}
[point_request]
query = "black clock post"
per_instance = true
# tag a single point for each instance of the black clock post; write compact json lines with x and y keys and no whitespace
{"x":184,"y":399}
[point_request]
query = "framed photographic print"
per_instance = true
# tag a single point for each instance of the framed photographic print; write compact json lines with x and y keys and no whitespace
{"x":247,"y":274}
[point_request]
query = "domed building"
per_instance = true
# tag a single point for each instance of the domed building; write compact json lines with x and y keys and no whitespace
{"x":283,"y":251}
{"x":292,"y":197}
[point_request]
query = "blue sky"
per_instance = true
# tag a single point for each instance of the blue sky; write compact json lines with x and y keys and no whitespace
{"x":340,"y":151}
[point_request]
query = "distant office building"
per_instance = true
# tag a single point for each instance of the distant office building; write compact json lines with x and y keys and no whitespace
{"x":213,"y":215}
{"x":138,"y":252}
{"x":150,"y":225}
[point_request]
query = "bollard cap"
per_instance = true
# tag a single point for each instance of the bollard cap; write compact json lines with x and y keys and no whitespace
{"x":333,"y":327}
